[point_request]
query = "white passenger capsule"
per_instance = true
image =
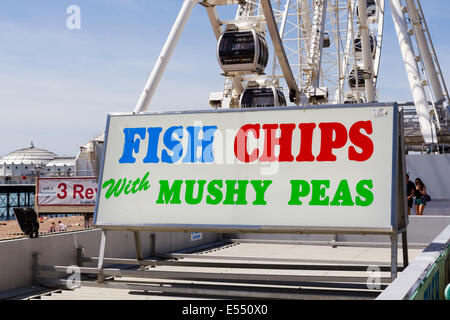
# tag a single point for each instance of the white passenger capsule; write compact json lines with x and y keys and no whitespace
{"x":373,"y":44}
{"x":371,"y":8}
{"x":352,"y":79}
{"x":242,"y":51}
{"x":262,"y":96}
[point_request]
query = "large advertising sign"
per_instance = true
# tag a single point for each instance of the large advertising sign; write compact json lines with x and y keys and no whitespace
{"x":65,"y":191}
{"x":285,"y":169}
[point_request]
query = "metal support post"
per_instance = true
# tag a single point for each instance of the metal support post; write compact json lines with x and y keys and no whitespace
{"x":165,"y":55}
{"x":137,"y":243}
{"x":8,"y":205}
{"x":394,"y":254}
{"x":101,"y":256}
{"x":366,"y":50}
{"x":405,"y":249}
{"x":412,"y":72}
{"x":424,"y":49}
{"x":279,"y":50}
{"x":316,"y":43}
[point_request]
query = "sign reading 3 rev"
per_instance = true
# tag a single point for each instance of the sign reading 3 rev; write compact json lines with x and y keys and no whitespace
{"x":65,"y":191}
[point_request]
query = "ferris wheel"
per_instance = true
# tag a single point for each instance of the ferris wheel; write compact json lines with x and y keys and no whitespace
{"x":312,"y":52}
{"x":324,"y":51}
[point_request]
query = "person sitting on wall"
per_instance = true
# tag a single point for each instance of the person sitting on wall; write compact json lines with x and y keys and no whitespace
{"x":61,"y":226}
{"x":52,"y":227}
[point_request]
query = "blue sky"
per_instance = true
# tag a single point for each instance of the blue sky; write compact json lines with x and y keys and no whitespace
{"x":57,"y":85}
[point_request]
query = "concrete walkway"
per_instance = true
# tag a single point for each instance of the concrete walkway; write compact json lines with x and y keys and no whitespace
{"x":305,"y":272}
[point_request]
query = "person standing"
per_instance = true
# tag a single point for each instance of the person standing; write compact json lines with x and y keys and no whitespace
{"x":410,"y":192}
{"x":420,"y":193}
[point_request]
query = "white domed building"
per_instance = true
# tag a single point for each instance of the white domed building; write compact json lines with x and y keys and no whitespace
{"x":25,"y":164}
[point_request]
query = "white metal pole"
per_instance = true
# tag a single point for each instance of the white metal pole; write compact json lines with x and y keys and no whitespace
{"x":279,"y":50}
{"x":164,"y":57}
{"x":282,"y":26}
{"x":315,"y":49}
{"x":412,"y":72}
{"x":366,"y":50}
{"x":376,"y":63}
{"x":425,"y":51}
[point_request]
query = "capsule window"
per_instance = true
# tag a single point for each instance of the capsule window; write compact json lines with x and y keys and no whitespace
{"x":352,"y":80}
{"x":281,"y":98}
{"x":264,"y":52}
{"x":371,"y":8}
{"x":257,"y":97}
{"x":237,"y":48}
{"x":358,"y":44}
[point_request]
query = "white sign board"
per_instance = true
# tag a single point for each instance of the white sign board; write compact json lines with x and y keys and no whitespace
{"x":196,"y":236}
{"x":264,"y":170}
{"x":65,"y":191}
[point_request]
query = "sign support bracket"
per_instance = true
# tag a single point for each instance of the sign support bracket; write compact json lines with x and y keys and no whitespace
{"x":405,"y":249}
{"x":138,"y":244}
{"x":101,"y":257}
{"x":394,"y":255}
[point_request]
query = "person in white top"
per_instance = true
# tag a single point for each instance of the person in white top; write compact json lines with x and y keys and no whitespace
{"x":61,"y":226}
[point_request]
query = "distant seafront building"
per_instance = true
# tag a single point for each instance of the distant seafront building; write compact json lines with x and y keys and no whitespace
{"x":25,"y":164}
{"x":20,"y":169}
{"x":89,"y":157}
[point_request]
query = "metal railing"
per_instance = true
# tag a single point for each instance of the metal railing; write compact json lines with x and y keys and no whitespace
{"x":17,"y":235}
{"x":18,"y":181}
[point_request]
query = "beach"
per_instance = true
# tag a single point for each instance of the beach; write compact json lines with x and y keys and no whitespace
{"x":10,"y":229}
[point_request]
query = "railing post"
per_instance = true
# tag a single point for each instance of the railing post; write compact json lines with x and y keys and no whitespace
{"x":8,"y":206}
{"x":101,"y":256}
{"x":394,"y":254}
{"x":405,"y":249}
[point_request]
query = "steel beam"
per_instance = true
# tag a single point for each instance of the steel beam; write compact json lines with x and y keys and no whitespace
{"x":165,"y":55}
{"x":294,"y":93}
{"x":247,"y":292}
{"x":366,"y":50}
{"x":214,"y":276}
{"x":412,"y":71}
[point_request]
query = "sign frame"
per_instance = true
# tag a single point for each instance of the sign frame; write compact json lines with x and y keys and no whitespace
{"x":398,"y":219}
